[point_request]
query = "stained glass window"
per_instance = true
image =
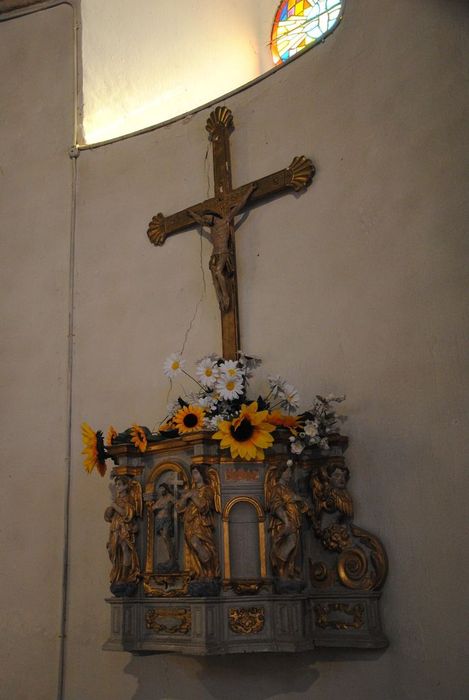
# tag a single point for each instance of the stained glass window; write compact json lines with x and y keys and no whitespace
{"x":299,"y":23}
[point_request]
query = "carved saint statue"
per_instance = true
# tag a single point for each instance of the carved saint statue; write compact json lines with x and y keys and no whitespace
{"x":122,"y":514}
{"x":198,"y":504}
{"x":219,"y":233}
{"x":286,"y":508}
{"x":163,"y":509}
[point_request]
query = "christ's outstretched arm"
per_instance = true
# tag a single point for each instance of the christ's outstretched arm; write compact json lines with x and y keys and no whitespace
{"x":236,"y":208}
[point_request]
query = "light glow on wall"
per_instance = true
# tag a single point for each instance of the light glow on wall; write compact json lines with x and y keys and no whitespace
{"x":149,"y":62}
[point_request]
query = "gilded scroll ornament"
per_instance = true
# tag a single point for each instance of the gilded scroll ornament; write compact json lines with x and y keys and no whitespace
{"x":378,"y":556}
{"x":166,"y":585}
{"x":122,"y":515}
{"x":169,"y":620}
{"x":246,"y":586}
{"x":358,"y":567}
{"x":323,"y":616}
{"x":352,"y":567}
{"x":320,"y":575}
{"x":246,"y":620}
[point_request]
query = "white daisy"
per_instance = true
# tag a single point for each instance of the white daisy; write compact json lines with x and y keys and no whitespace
{"x":290,"y":398}
{"x":311,"y":428}
{"x":231,"y":369}
{"x":173,"y":365}
{"x":229,"y":387}
{"x":277,"y":384}
{"x":207,"y":372}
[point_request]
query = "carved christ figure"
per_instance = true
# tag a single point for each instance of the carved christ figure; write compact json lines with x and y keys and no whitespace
{"x":219,"y":228}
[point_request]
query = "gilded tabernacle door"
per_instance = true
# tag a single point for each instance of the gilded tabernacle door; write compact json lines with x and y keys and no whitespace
{"x":166,"y":566}
{"x":244,"y":543}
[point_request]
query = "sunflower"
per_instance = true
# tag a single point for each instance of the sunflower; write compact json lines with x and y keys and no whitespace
{"x":281,"y":420}
{"x":248,"y":435}
{"x":139,"y":439}
{"x":111,"y":435}
{"x":95,"y":455}
{"x":189,"y":419}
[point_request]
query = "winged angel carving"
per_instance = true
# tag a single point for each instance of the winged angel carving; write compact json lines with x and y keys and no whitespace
{"x":286,"y":508}
{"x":122,"y":514}
{"x":198,"y":504}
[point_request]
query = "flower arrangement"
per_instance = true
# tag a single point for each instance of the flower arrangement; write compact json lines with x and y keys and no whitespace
{"x":220,"y":405}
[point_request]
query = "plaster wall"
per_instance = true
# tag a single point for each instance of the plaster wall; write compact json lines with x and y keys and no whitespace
{"x":178,"y":56}
{"x":357,"y":285}
{"x":36,"y":127}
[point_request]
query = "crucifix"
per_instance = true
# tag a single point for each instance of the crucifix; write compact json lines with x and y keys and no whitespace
{"x":217,"y":215}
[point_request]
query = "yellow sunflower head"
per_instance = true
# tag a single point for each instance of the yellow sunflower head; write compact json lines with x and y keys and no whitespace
{"x":111,"y":435}
{"x":189,"y":419}
{"x":281,"y":420}
{"x":248,"y":435}
{"x":93,"y":449}
{"x":138,"y":437}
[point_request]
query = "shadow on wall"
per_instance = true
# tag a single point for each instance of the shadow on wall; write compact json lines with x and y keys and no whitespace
{"x":247,"y":676}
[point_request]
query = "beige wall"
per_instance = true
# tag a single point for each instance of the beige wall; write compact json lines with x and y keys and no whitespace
{"x":36,"y":124}
{"x":355,"y":286}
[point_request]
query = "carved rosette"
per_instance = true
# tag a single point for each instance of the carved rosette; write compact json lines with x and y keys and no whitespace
{"x":336,"y":537}
{"x":246,"y":620}
{"x":300,"y":173}
{"x":220,"y":117}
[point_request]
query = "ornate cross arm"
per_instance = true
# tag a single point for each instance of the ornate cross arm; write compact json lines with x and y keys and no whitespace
{"x":297,"y":176}
{"x":162,"y":226}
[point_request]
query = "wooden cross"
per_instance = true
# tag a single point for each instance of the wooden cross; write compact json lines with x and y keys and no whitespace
{"x":217,"y":215}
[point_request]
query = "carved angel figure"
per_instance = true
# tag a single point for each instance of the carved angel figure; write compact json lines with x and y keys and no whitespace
{"x":286,"y":508}
{"x":122,"y":514}
{"x":332,"y":505}
{"x":198,"y":504}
